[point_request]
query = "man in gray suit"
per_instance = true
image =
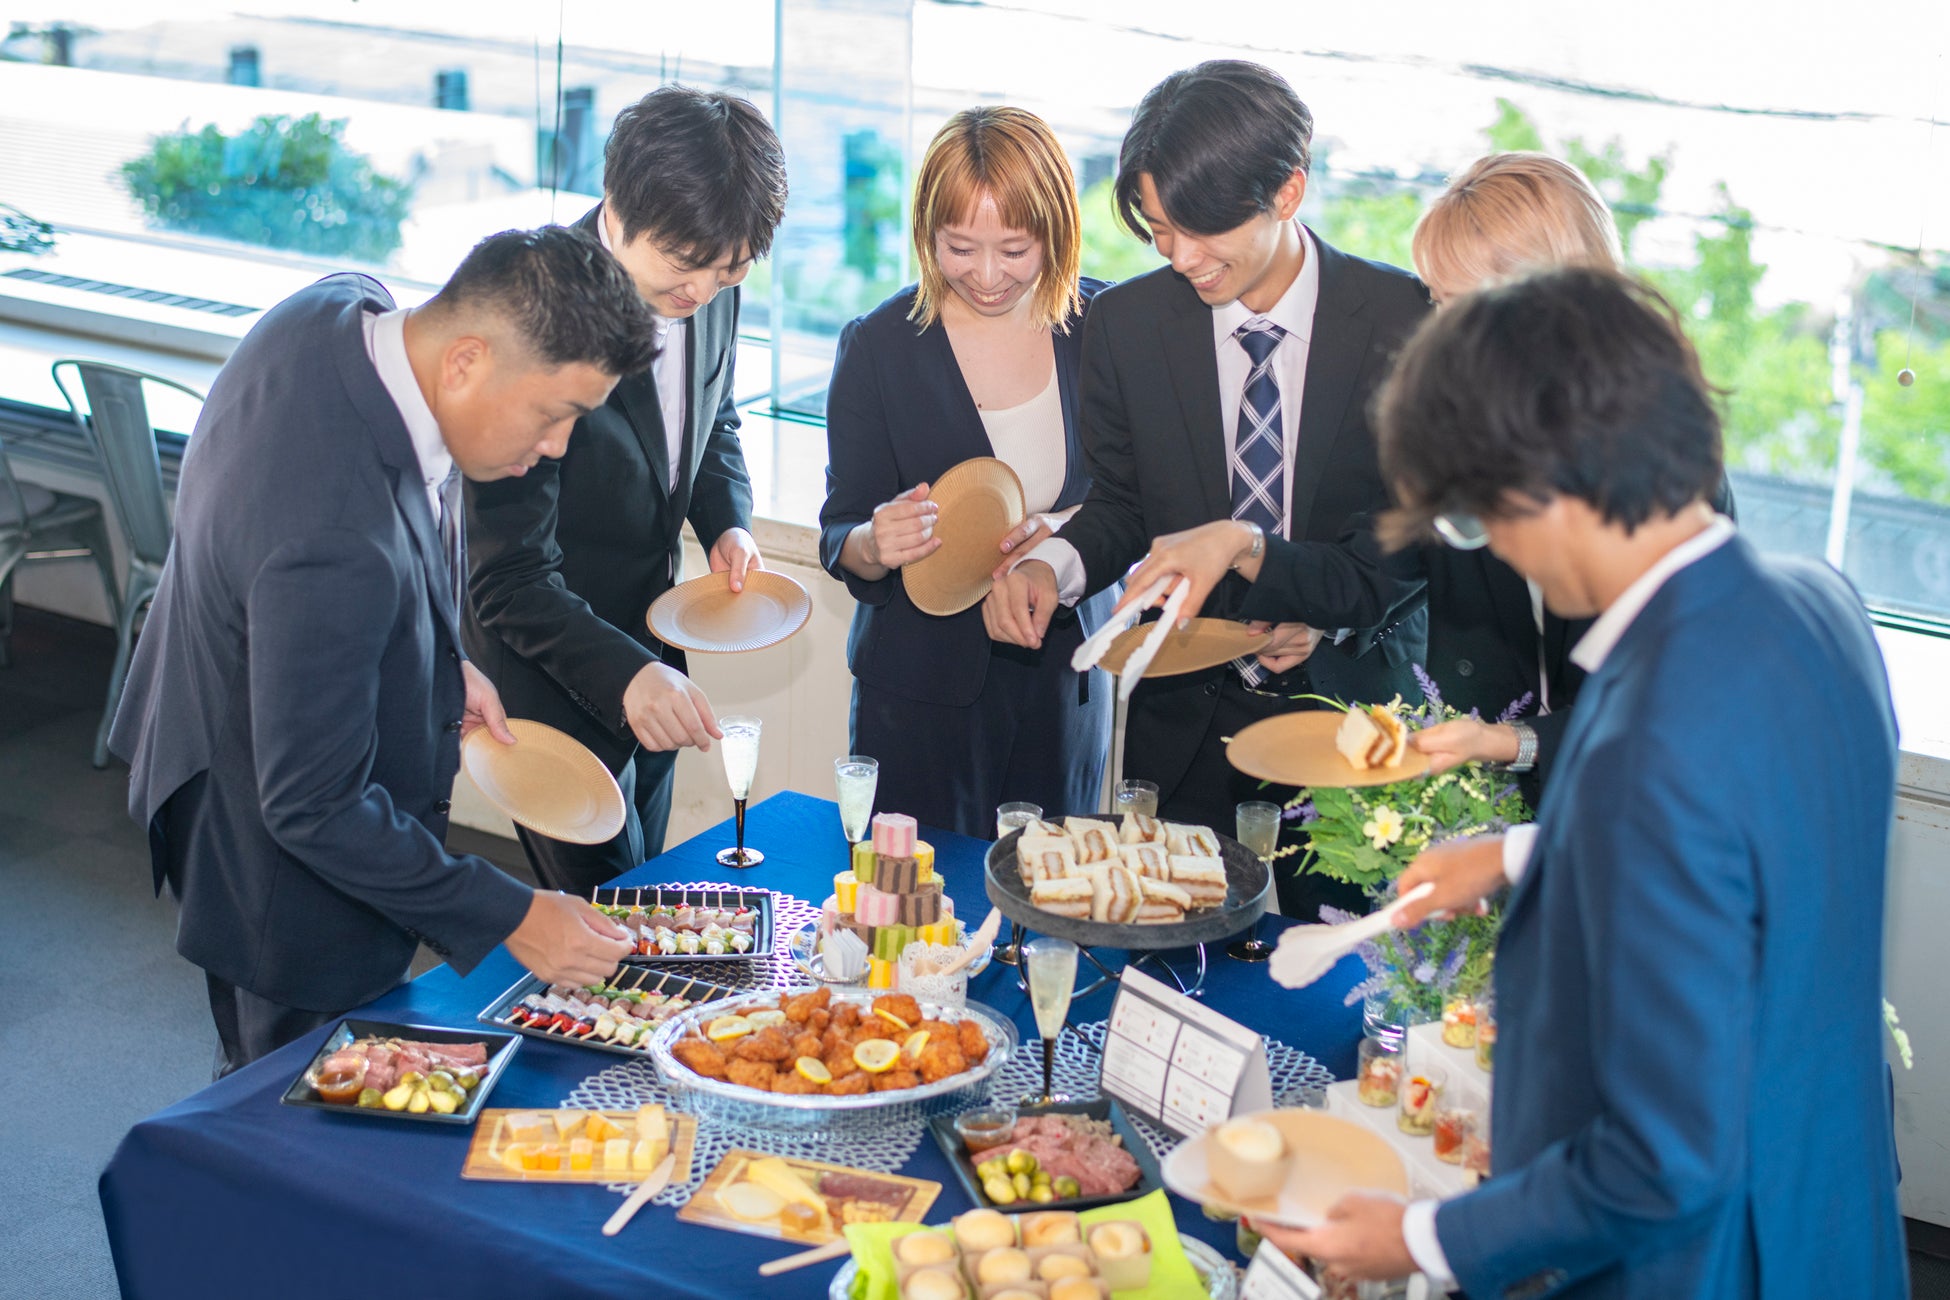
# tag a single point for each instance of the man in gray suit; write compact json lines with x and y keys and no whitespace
{"x":294,"y":713}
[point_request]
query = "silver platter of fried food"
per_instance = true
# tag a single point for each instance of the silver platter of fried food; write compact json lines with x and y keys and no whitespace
{"x":1132,"y":883}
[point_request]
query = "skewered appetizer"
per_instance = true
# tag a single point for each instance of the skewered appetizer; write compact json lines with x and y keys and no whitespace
{"x":680,"y":928}
{"x":1144,"y":872}
{"x":608,"y":1013}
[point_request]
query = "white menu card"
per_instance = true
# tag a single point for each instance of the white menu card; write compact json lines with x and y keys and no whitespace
{"x":1176,"y":1061}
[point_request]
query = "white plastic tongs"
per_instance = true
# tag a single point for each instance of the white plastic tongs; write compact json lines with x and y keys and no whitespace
{"x":1306,"y":952}
{"x":1098,"y":644}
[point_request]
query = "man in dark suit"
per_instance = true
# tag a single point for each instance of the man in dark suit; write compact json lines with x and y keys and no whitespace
{"x":1701,"y":903}
{"x":1232,"y":386}
{"x":566,"y":562}
{"x":294,"y":712}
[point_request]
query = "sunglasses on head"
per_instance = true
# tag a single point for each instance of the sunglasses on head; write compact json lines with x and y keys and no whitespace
{"x":1464,"y":532}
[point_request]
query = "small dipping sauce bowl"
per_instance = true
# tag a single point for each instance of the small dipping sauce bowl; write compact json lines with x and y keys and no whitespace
{"x":987,"y":1127}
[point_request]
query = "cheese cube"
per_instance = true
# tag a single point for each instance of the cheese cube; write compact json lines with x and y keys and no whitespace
{"x":616,"y":1156}
{"x":581,"y":1153}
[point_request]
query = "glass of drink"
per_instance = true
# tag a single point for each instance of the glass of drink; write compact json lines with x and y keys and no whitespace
{"x":1476,"y":1147}
{"x":1051,"y":967}
{"x":1009,"y":818}
{"x":1486,"y":1030}
{"x":740,"y":750}
{"x":1421,"y":1097}
{"x":1258,"y":826}
{"x":1135,"y":797}
{"x":855,"y":778}
{"x":1455,"y":1120}
{"x":1380,"y":1074}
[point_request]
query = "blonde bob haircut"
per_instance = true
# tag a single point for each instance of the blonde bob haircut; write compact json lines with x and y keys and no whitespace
{"x":1510,"y":213}
{"x":1008,"y":154}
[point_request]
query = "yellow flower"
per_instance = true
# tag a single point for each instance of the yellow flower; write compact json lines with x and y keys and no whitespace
{"x":1384,"y":828}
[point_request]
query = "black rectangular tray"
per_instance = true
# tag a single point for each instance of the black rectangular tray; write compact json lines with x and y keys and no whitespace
{"x":669,"y":981}
{"x":759,"y":900}
{"x":1149,"y":1180}
{"x":501,"y":1049}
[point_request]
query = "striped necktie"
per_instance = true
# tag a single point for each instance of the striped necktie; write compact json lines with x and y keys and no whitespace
{"x":1258,"y":461}
{"x":453,"y":536}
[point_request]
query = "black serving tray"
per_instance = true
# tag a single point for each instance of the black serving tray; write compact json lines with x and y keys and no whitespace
{"x":1149,"y":1180}
{"x":501,"y":1049}
{"x":695,"y":991}
{"x":759,"y":900}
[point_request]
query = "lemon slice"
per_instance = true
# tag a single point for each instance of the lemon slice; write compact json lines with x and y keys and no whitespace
{"x":766,"y":1018}
{"x":893,"y":1020}
{"x":915,"y":1044}
{"x":725,"y":1028}
{"x":813,"y":1070}
{"x":876,"y":1055}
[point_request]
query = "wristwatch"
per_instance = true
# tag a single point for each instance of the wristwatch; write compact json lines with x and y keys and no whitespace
{"x":1259,"y":543}
{"x":1526,"y":758}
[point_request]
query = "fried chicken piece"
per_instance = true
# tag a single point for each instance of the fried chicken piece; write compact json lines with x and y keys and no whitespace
{"x":840,"y":1062}
{"x":937,"y":1028}
{"x":751,"y":1074}
{"x":941,"y":1058}
{"x":791,"y":1083}
{"x":768,"y":1044}
{"x":818,"y":1020}
{"x":846,"y":1015}
{"x":848,"y":1085}
{"x":833,"y":1040}
{"x":701,"y":1056}
{"x":874,"y":1028}
{"x":974,"y":1043}
{"x":799,"y":1009}
{"x":895,"y":1080}
{"x":807,"y":1044}
{"x":899,"y":1004}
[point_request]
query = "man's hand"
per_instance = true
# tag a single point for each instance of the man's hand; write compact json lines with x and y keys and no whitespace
{"x":1465,"y":873}
{"x":483,"y":706}
{"x":667,"y":711}
{"x":1200,"y":555}
{"x":734,"y":552}
{"x":1362,"y":1239}
{"x":1292,"y":643}
{"x":566,"y":941}
{"x":1466,"y":740}
{"x":1020,"y":604}
{"x":902,"y":530}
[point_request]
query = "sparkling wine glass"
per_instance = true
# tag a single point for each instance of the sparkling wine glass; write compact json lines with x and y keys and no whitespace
{"x":1135,"y":797}
{"x":855,"y":777}
{"x":740,"y":750}
{"x":1258,"y":827}
{"x":1011,"y":817}
{"x":1051,"y":966}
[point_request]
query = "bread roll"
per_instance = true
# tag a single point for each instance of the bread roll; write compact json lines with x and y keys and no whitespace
{"x":933,"y":1284}
{"x":980,"y":1230}
{"x":1056,"y":1267}
{"x":1051,"y":1228}
{"x":1076,"y":1288}
{"x":924,"y":1248}
{"x":1005,"y":1265}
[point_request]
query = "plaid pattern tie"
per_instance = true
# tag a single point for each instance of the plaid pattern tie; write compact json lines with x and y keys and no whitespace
{"x":453,"y":536}
{"x":1258,"y":461}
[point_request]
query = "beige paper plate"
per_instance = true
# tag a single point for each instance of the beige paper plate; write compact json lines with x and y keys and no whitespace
{"x":1328,"y":1158}
{"x":703,"y":615}
{"x":1298,"y":749}
{"x":547,"y":781}
{"x":1204,"y":643}
{"x":980,"y":500}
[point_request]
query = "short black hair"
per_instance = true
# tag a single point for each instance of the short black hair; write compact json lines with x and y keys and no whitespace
{"x":1219,"y":140}
{"x":570,"y":300}
{"x":700,"y":172}
{"x":1577,"y":382}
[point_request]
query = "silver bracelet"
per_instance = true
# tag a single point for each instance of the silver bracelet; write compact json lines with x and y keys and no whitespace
{"x":1259,"y":542}
{"x":1526,"y":758}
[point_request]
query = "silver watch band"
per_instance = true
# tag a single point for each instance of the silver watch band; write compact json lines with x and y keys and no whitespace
{"x":1526,"y":758}
{"x":1259,"y":542}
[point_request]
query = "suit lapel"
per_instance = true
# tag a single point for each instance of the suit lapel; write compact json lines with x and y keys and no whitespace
{"x":1194,"y":365}
{"x":1334,"y":358}
{"x":637,"y":395}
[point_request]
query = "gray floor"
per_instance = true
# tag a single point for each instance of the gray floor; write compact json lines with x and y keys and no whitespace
{"x":106,"y":1023}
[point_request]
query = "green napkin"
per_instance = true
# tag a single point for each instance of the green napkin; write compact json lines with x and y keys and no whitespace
{"x":1172,"y":1274}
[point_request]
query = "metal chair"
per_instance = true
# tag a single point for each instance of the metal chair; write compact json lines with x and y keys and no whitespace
{"x":116,"y":424}
{"x":37,"y":523}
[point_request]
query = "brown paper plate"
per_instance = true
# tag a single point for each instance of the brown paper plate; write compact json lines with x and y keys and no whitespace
{"x":1298,"y":749}
{"x":703,"y":615}
{"x":1203,"y":643}
{"x":1327,"y":1158}
{"x":980,"y":500}
{"x":548,"y":781}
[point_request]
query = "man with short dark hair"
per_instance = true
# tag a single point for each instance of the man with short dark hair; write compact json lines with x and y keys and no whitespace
{"x":1231,"y":386}
{"x":1690,"y":1094}
{"x":295,"y":709}
{"x":567,"y":561}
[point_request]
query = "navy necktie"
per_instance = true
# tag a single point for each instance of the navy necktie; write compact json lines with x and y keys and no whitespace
{"x":453,"y":536}
{"x":1258,"y":461}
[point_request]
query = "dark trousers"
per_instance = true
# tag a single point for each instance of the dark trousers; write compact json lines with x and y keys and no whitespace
{"x":578,"y":868}
{"x":1037,"y":733}
{"x":1212,"y":789}
{"x":249,"y":1026}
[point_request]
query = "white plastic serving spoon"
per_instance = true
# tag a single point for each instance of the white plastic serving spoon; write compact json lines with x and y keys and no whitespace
{"x":1306,"y":952}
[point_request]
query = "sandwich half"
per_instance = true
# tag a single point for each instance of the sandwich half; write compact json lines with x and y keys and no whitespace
{"x":1070,"y":896}
{"x":1202,"y":879}
{"x":1162,"y":902}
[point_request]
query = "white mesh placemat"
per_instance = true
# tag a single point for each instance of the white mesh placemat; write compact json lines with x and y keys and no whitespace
{"x":775,"y":970}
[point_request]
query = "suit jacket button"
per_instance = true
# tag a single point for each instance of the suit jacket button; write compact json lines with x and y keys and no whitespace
{"x":1211,"y":688}
{"x":1464,"y":668}
{"x":443,"y":805}
{"x":453,"y":726}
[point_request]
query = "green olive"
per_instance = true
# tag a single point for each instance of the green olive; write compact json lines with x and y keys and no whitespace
{"x":370,"y":1098}
{"x":1021,"y":1162}
{"x":1021,"y":1183}
{"x":1041,"y":1194}
{"x":398,"y":1096}
{"x":1067,"y":1187}
{"x":468,"y":1079}
{"x":444,"y":1102}
{"x":999,"y":1190}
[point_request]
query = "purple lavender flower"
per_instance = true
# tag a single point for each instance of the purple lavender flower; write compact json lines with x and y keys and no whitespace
{"x":1424,"y":972}
{"x":1453,"y":966}
{"x":1429,"y":689}
{"x":1518,"y":707}
{"x":1303,"y":812}
{"x":1335,"y":916}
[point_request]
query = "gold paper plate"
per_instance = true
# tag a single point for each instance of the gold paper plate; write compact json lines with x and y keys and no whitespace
{"x":703,"y":615}
{"x":1298,"y":749}
{"x":1204,"y":643}
{"x":1327,"y":1158}
{"x":980,"y":501}
{"x":547,"y":781}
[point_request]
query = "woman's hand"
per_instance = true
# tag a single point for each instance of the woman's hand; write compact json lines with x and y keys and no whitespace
{"x":900,"y":532}
{"x":1466,"y":740}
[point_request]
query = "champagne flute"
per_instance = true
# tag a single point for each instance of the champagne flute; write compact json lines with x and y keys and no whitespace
{"x":1258,"y":827}
{"x":740,"y":749}
{"x":1051,"y":966}
{"x":1011,"y":817}
{"x":855,"y":777}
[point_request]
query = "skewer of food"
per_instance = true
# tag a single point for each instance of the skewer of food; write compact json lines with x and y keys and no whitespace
{"x":608,"y":1012}
{"x":714,"y":926}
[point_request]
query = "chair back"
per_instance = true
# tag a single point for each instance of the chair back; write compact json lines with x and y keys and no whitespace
{"x":117,"y":424}
{"x":13,"y":502}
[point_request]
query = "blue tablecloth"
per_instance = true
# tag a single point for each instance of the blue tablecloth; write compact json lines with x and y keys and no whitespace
{"x":230,"y":1193}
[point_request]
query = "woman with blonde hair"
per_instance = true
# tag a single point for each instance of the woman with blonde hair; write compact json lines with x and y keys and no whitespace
{"x":1507,"y":214}
{"x":979,"y":358}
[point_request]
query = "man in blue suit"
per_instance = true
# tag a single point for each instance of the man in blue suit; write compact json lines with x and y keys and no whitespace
{"x":1690,"y":1095}
{"x":295,"y":709}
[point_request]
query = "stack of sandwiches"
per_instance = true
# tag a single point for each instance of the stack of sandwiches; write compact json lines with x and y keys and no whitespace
{"x":1371,"y":736}
{"x":1144,"y":872}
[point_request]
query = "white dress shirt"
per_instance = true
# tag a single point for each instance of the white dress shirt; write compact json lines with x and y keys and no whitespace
{"x":1294,"y":313}
{"x":1590,"y":653}
{"x":386,"y":345}
{"x":667,"y":372}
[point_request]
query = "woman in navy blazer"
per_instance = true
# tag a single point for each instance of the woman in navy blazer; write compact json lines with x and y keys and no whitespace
{"x":980,"y":358}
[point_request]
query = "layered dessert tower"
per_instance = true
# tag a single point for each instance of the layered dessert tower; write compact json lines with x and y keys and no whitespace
{"x":891,"y":897}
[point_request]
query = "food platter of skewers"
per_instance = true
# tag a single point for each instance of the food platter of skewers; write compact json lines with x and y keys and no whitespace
{"x":668,"y":924}
{"x":620,"y":1015}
